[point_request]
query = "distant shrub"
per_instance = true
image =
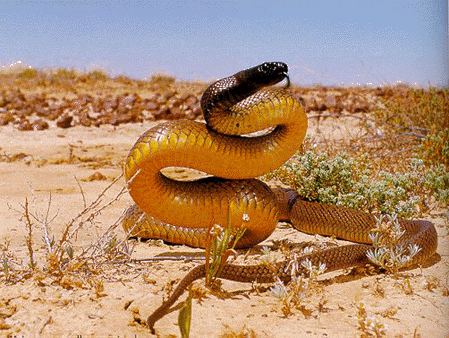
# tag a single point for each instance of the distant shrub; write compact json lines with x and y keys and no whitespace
{"x":124,"y":80}
{"x":65,"y":74}
{"x":424,"y":111}
{"x":162,"y":80}
{"x":28,"y":73}
{"x":96,"y":75}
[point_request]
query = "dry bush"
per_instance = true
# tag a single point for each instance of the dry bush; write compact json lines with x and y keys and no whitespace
{"x":61,"y":263}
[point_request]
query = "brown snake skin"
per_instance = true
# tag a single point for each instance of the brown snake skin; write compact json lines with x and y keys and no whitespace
{"x":183,"y":212}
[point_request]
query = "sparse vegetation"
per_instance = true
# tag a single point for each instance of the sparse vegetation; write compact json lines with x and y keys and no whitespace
{"x":422,"y":112}
{"x":243,"y":333}
{"x":97,"y":75}
{"x":368,"y":324}
{"x":60,"y":262}
{"x":64,"y":74}
{"x":162,"y":81}
{"x":299,"y":288}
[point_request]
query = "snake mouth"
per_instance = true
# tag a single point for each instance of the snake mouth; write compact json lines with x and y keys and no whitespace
{"x":287,"y":85}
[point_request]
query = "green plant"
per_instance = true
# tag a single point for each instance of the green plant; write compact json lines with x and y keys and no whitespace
{"x":220,"y":244}
{"x":317,"y":178}
{"x":351,"y":183}
{"x":436,"y":179}
{"x":388,"y":252}
{"x":185,"y":316}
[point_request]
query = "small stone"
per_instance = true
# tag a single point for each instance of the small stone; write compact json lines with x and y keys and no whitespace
{"x":40,"y":124}
{"x":64,"y":121}
{"x":96,"y":176}
{"x":25,"y":125}
{"x":6,"y":118}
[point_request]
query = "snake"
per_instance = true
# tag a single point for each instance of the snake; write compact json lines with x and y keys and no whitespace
{"x":228,"y":147}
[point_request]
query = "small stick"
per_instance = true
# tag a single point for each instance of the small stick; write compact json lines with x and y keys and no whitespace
{"x":29,"y":237}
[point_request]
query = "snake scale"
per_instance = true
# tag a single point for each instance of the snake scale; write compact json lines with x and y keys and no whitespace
{"x":183,"y":212}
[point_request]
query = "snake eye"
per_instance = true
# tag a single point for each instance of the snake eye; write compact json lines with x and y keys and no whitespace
{"x":266,"y":67}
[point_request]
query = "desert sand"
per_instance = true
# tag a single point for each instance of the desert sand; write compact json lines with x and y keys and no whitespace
{"x":59,"y":170}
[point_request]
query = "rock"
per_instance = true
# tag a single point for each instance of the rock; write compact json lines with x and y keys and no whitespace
{"x":25,"y":125}
{"x":163,"y":113}
{"x":84,"y":119}
{"x":6,"y":118}
{"x":96,"y":176}
{"x":64,"y":121}
{"x":151,"y":105}
{"x":197,"y":111}
{"x":40,"y":124}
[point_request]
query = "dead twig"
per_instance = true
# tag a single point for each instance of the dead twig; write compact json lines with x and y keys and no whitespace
{"x":45,"y":223}
{"x":29,"y":239}
{"x":81,"y":190}
{"x":67,"y":234}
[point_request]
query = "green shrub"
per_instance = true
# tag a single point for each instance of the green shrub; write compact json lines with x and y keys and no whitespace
{"x":29,"y":73}
{"x":437,"y":181}
{"x":435,"y":147}
{"x":388,"y":250}
{"x":349,"y":182}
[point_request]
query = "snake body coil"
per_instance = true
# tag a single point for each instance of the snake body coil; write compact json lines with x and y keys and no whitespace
{"x":183,"y":212}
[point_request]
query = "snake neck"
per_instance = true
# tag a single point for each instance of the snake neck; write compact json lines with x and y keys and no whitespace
{"x":231,"y":97}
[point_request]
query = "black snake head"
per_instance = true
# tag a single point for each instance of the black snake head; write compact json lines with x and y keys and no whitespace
{"x":267,"y":74}
{"x":235,"y":88}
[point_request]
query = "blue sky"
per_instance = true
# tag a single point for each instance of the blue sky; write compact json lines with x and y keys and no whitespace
{"x":329,"y":42}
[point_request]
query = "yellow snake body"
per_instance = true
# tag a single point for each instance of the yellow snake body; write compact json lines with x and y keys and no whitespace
{"x":183,"y":212}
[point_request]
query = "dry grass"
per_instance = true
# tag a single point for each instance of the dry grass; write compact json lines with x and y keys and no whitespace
{"x":60,"y":263}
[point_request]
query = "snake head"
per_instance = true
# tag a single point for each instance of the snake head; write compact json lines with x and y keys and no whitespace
{"x":265,"y":74}
{"x":269,"y":73}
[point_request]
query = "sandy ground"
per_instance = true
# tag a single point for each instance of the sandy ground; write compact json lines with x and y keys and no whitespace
{"x":56,"y":164}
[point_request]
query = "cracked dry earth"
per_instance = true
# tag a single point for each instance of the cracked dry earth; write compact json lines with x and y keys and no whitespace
{"x":61,"y":169}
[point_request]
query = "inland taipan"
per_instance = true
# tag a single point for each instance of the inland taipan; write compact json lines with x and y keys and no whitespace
{"x":183,"y":212}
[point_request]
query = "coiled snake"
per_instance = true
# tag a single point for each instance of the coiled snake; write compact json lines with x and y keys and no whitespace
{"x":183,"y":212}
